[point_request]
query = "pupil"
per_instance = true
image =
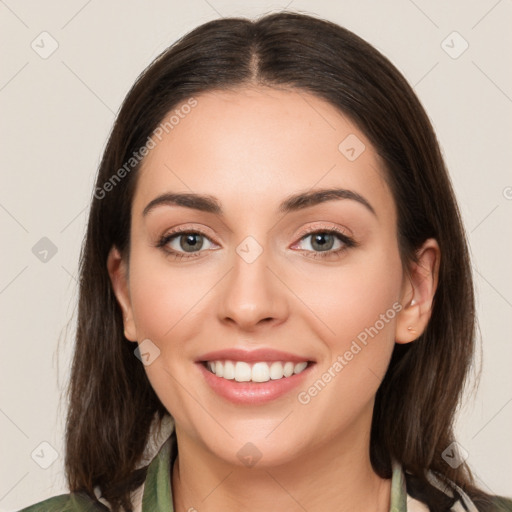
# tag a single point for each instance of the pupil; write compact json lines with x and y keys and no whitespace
{"x":190,"y":239}
{"x":320,"y":240}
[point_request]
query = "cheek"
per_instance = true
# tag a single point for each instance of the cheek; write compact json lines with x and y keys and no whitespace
{"x":164,"y":296}
{"x":166,"y":302}
{"x":174,"y":307}
{"x":342,"y":300}
{"x":356,"y":310}
{"x":157,"y":303}
{"x":355,"y":307}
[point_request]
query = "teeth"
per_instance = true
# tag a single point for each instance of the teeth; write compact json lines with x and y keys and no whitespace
{"x":219,"y":369}
{"x":242,"y":371}
{"x":258,"y":372}
{"x":229,"y":370}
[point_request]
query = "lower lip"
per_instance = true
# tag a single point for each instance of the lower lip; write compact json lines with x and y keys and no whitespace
{"x":253,"y":393}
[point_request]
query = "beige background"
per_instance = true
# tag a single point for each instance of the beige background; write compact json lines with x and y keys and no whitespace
{"x":56,"y":114}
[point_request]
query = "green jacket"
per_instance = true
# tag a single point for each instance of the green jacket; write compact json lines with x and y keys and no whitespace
{"x":157,"y":492}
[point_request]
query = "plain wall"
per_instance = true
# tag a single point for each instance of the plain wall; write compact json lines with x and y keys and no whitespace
{"x":56,"y":114}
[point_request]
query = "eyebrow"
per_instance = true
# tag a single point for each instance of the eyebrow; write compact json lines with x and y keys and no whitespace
{"x":210,"y":204}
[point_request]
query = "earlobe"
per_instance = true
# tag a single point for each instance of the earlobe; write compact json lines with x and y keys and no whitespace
{"x":118,"y":272}
{"x":418,"y":293}
{"x":407,"y":323}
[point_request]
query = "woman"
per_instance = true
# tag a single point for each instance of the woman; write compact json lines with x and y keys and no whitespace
{"x":275,"y":266}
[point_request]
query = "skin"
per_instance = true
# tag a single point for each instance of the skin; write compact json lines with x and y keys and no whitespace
{"x":251,"y":148}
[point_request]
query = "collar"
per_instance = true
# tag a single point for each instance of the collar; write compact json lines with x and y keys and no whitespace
{"x":157,"y":495}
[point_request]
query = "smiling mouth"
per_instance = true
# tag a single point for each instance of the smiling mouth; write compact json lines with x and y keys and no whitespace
{"x":259,"y":371}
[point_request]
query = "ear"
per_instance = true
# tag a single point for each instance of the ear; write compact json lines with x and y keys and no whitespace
{"x":418,"y":293}
{"x":118,"y":272}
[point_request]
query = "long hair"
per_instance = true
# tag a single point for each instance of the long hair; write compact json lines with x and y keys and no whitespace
{"x":111,"y":402}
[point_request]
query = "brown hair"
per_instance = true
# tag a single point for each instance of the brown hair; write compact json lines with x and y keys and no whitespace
{"x":111,"y":402}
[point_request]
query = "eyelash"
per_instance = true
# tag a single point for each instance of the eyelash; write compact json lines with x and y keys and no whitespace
{"x":347,"y":241}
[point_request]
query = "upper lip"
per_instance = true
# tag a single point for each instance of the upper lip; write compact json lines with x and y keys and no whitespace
{"x":261,"y":354}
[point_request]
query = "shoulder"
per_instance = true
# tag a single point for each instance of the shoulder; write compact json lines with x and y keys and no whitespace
{"x":72,"y":502}
{"x":439,"y":493}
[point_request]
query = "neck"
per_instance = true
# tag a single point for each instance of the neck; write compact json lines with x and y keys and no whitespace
{"x":336,"y":475}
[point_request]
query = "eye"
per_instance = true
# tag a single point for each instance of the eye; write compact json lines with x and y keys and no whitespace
{"x":184,"y":243}
{"x":323,"y":240}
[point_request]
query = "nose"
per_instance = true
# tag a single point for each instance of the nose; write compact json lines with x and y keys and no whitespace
{"x":252,"y":295}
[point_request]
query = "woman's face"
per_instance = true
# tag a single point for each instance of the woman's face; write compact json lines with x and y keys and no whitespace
{"x":255,"y":278}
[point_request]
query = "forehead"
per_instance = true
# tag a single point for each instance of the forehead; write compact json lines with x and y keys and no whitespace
{"x":251,"y":147}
